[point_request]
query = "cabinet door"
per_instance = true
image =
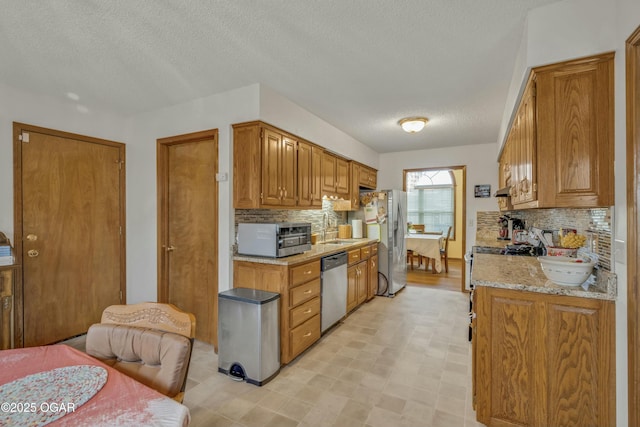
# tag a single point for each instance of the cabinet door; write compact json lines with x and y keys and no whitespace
{"x":328,"y":173}
{"x":352,"y":287}
{"x":271,"y":188}
{"x":288,"y":171}
{"x":316,"y":176}
{"x":342,"y":177}
{"x":506,"y":358}
{"x":354,"y":195}
{"x":305,"y":177}
{"x":527,"y":178}
{"x":575,"y":134}
{"x":580,"y":360}
{"x":363,"y":276}
{"x":373,"y":277}
{"x":246,"y":156}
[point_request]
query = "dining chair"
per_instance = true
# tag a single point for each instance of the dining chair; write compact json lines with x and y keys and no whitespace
{"x":444,"y":250}
{"x":150,"y":342}
{"x":410,"y":258}
{"x":418,"y":228}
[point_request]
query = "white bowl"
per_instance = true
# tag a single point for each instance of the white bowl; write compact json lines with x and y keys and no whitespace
{"x":566,"y":271}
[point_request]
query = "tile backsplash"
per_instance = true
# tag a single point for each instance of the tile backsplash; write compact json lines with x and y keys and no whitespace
{"x":314,"y":216}
{"x":595,"y":220}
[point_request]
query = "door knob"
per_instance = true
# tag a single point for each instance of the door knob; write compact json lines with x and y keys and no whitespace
{"x":170,"y":248}
{"x":33,"y":253}
{"x":32,"y":237}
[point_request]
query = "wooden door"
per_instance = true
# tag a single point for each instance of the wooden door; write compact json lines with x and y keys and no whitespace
{"x":328,"y":173}
{"x":69,"y":232}
{"x":188,"y":227}
{"x":528,"y":146}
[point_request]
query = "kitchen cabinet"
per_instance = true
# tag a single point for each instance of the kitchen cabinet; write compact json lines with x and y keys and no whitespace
{"x":368,"y":177}
{"x":357,"y":275}
{"x":542,"y":359}
{"x":560,"y":144}
{"x":309,"y":177}
{"x":266,"y":172}
{"x":372,"y":282}
{"x":299,"y":289}
{"x":335,"y":175}
{"x":8,"y":279}
{"x":505,"y":174}
{"x":279,"y":169}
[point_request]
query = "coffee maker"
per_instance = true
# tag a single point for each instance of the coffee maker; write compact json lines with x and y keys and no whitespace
{"x":508,"y":225}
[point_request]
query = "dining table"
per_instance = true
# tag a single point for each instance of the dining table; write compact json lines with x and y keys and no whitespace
{"x":426,"y":245}
{"x":59,"y":385}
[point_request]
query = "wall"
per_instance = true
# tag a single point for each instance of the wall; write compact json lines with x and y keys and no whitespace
{"x":482,"y":168}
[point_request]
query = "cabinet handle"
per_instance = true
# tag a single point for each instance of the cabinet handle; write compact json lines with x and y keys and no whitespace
{"x":307,"y":311}
{"x":308,"y":334}
{"x":307,"y":272}
{"x":285,"y":192}
{"x":307,"y":292}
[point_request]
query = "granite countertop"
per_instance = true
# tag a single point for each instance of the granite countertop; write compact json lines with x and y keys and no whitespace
{"x":491,"y":242}
{"x":318,"y":250}
{"x":524,"y":273}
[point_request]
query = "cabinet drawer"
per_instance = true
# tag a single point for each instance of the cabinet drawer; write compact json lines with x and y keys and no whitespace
{"x":354,"y":256}
{"x":365,"y":252}
{"x":304,"y":292}
{"x":305,"y":272}
{"x":304,"y":335}
{"x":374,"y":249}
{"x":304,"y":312}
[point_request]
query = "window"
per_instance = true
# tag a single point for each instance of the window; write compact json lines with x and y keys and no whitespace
{"x":431,"y":199}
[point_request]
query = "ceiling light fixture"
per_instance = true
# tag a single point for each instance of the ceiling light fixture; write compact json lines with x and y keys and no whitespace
{"x":413,"y":124}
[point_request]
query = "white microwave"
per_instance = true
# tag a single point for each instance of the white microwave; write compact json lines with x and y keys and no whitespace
{"x":274,"y":240}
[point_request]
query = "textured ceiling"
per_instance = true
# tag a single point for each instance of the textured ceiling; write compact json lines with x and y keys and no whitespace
{"x":360,"y":65}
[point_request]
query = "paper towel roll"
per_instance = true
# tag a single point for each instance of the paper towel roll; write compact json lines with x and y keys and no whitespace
{"x":356,"y":228}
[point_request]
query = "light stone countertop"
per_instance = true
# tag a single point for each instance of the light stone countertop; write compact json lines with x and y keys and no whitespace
{"x":524,"y":273}
{"x":318,"y":250}
{"x":491,"y":242}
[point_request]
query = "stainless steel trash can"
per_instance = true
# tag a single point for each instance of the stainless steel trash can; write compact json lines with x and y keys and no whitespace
{"x":249,"y":335}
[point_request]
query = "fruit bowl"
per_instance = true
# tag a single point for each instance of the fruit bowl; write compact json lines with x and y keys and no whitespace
{"x":559,"y":251}
{"x":566,"y":271}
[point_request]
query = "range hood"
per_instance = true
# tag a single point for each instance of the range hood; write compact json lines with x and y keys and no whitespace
{"x":503,"y":192}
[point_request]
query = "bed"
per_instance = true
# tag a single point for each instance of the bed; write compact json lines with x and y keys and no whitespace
{"x":60,"y":385}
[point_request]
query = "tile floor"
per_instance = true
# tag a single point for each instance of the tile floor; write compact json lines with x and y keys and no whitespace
{"x":402,"y":361}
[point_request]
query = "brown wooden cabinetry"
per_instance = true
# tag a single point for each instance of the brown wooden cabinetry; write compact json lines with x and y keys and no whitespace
{"x":299,"y":289}
{"x":372,"y":284}
{"x":543,"y":360}
{"x":560,"y":144}
{"x":335,"y":175}
{"x":309,"y":179}
{"x":357,"y":277}
{"x":266,"y":173}
{"x":368,"y":177}
{"x":505,"y":175}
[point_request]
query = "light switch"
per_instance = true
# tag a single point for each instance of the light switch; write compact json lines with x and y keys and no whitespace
{"x":222,"y":176}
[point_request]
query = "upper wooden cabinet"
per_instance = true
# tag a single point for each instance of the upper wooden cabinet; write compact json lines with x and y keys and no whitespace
{"x":309,"y":179}
{"x":368,"y":177}
{"x":560,"y":144}
{"x":265,"y":168}
{"x":335,"y":175}
{"x":273,"y":169}
{"x":279,"y":169}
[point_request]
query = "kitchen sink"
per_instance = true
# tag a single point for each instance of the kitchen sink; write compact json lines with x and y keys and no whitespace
{"x":340,"y":242}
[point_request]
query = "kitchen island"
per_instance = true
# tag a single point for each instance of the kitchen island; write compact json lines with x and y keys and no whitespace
{"x":297,"y":279}
{"x":543,"y":354}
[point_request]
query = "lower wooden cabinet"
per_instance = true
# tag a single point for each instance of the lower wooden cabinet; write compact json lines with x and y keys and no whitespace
{"x":299,"y":289}
{"x":543,"y":360}
{"x":372,"y":285}
{"x":7,"y":289}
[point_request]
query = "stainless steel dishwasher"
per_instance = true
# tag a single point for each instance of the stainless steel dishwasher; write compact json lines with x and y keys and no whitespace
{"x":334,"y":289}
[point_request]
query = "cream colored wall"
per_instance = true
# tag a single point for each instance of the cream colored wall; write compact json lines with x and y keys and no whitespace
{"x":455,"y":246}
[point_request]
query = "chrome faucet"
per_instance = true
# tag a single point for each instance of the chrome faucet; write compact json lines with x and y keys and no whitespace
{"x":325,"y":220}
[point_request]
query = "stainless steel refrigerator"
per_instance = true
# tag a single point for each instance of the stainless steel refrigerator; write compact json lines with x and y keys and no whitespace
{"x":387,"y":209}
